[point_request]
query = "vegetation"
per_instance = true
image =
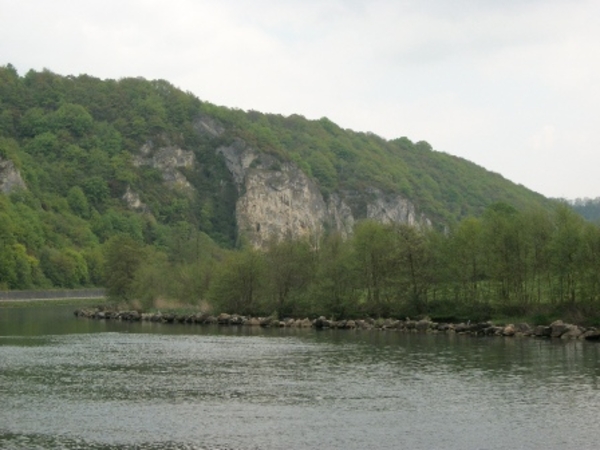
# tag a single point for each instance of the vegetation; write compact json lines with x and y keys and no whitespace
{"x":588,"y":208}
{"x":506,"y":264}
{"x":496,"y":248}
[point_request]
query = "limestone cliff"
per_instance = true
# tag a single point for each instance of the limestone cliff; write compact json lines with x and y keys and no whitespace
{"x":10,"y":178}
{"x":277,"y":199}
{"x":168,"y":160}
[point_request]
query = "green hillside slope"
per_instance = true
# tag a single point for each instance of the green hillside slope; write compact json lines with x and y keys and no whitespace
{"x":75,"y":140}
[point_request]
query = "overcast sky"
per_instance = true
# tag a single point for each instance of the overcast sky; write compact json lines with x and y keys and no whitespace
{"x":511,"y":85}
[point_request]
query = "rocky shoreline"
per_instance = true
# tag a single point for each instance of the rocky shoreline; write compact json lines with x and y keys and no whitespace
{"x":557,"y":329}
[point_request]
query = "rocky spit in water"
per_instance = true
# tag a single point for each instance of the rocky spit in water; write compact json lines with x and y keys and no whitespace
{"x":557,"y":329}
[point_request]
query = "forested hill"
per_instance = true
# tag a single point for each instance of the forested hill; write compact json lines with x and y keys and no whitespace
{"x":84,"y":159}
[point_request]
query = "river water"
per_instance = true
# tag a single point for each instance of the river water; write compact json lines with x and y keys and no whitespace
{"x":71,"y":383}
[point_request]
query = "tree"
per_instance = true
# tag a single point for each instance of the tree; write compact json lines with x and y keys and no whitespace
{"x":238,"y":281}
{"x":78,"y":202}
{"x":506,"y":252}
{"x":290,"y":266}
{"x":123,"y":256}
{"x":413,"y":261}
{"x":74,"y":118}
{"x":466,"y":263}
{"x":333,"y":290}
{"x":566,"y":247}
{"x":375,"y":264}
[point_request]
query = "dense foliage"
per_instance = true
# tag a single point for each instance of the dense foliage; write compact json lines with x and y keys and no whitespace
{"x":533,"y":264}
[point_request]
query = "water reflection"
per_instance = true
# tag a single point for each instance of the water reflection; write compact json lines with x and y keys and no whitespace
{"x":105,"y":385}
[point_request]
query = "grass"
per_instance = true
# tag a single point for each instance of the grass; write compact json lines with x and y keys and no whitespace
{"x":76,"y":302}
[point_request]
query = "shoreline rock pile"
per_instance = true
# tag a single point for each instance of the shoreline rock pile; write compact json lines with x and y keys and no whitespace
{"x":557,"y":329}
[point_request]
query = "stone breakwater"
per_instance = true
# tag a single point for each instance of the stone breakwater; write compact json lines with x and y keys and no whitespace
{"x":557,"y":329}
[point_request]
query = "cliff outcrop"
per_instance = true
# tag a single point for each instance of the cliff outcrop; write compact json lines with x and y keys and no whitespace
{"x":277,"y":199}
{"x":168,"y":160}
{"x":10,"y":177}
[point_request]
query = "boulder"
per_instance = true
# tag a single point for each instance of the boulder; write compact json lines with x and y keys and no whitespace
{"x":410,"y":324}
{"x":236,"y":320}
{"x":211,"y":320}
{"x":253,"y":322}
{"x":200,"y":317}
{"x":322,"y":322}
{"x":558,"y":328}
{"x":493,"y":331}
{"x":422,"y":325}
{"x":479,"y":327}
{"x":223,"y":319}
{"x":443,"y":326}
{"x":573,"y":332}
{"x":523,"y":328}
{"x":592,"y":335}
{"x":509,"y":330}
{"x":462,"y":327}
{"x":306,"y":323}
{"x":542,"y":331}
{"x":265,"y":321}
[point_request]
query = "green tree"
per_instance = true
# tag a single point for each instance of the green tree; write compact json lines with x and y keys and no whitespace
{"x":74,"y":118}
{"x":566,"y":246}
{"x":333,"y":290}
{"x":290,"y":267}
{"x":123,"y":256}
{"x":238,"y":282}
{"x":375,"y":265}
{"x":414,"y":259}
{"x":96,"y":191}
{"x":78,"y":202}
{"x":467,"y":260}
{"x":506,"y":252}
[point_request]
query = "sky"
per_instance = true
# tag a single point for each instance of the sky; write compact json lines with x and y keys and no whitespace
{"x":512,"y":85}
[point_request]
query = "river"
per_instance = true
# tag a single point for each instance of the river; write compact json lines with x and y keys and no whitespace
{"x":71,"y":383}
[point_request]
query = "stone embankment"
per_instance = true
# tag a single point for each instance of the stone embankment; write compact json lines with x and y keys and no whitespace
{"x":557,"y":329}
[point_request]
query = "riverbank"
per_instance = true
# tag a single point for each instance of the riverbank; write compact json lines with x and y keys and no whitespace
{"x":35,"y":303}
{"x":557,"y":329}
{"x":96,"y":294}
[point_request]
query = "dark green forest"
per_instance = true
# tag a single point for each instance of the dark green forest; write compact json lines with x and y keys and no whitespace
{"x":73,"y":139}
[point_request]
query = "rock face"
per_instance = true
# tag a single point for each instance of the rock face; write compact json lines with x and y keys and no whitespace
{"x":168,"y":159}
{"x":133,"y":200}
{"x":277,"y":199}
{"x":10,"y":178}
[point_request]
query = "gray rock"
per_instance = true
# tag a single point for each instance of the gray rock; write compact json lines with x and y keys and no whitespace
{"x":422,"y":325}
{"x":523,"y":328}
{"x":253,"y":322}
{"x":542,"y":331}
{"x":223,"y":319}
{"x":592,"y":335}
{"x":509,"y":330}
{"x":558,"y":328}
{"x":573,"y":332}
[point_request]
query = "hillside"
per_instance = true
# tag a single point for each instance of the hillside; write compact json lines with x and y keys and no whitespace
{"x":84,"y":159}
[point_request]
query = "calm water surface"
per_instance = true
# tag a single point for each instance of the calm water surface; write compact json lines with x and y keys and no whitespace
{"x":77,"y":384}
